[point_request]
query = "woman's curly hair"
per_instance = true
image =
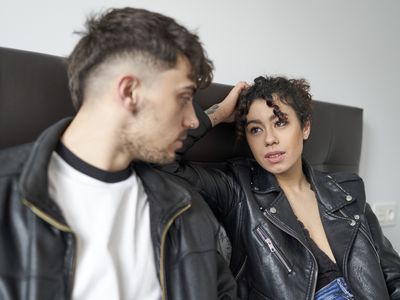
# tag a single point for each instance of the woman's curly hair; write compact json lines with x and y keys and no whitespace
{"x":293,"y":92}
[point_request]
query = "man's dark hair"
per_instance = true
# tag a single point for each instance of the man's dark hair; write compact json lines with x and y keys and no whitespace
{"x":293,"y":92}
{"x":137,"y":32}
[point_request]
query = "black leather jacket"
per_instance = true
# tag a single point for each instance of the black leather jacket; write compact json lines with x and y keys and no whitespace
{"x":37,"y":247}
{"x":271,"y":257}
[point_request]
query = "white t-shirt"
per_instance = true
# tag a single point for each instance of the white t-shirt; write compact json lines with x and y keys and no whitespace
{"x":109,"y":215}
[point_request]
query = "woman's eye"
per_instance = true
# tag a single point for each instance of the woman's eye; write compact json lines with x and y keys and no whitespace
{"x":280,"y":123}
{"x":255,"y":130}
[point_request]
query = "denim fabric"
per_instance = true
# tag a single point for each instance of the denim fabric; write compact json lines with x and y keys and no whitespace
{"x":336,"y":290}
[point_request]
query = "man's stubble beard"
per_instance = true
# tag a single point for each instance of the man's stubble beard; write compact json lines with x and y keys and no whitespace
{"x":142,"y":149}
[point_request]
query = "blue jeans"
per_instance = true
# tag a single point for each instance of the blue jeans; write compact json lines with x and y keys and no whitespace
{"x":335,"y":290}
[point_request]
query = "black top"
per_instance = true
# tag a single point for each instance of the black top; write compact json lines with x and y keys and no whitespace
{"x":327,"y":269}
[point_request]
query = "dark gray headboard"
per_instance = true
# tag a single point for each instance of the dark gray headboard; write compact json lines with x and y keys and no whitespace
{"x":334,"y":143}
{"x":34,"y":94}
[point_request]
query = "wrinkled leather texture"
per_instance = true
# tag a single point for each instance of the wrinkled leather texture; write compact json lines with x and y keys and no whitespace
{"x":256,"y":214}
{"x":37,"y":256}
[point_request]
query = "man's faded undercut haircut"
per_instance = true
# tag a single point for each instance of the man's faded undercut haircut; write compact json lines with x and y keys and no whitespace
{"x":130,"y":31}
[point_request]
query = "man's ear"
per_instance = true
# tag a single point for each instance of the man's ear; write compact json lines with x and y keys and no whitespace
{"x":306,"y":130}
{"x":128,"y":92}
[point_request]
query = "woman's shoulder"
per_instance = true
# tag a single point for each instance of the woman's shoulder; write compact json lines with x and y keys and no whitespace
{"x":350,"y":183}
{"x":341,"y":177}
{"x":344,"y":180}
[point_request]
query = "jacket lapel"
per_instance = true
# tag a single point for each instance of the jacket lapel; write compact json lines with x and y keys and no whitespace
{"x":335,"y":205}
{"x":274,"y":203}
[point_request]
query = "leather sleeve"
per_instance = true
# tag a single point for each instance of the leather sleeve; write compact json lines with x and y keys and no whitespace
{"x":390,"y":260}
{"x":227,"y":288}
{"x":219,"y":189}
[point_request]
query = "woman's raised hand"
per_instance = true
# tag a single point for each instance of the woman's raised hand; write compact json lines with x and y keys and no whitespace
{"x":225,"y":110}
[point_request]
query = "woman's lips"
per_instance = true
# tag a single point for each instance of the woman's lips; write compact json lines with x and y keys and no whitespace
{"x":275,"y":157}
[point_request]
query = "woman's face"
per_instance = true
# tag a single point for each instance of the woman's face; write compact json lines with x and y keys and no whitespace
{"x":276,"y":145}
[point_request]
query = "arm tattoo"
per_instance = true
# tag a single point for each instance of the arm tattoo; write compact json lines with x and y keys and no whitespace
{"x":212,"y":109}
{"x":210,"y":112}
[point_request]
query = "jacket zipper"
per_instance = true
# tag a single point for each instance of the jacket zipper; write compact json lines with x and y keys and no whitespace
{"x":48,"y":219}
{"x":241,"y":269}
{"x":45,"y":217}
{"x":162,"y":250}
{"x":264,"y":237}
{"x":315,"y":275}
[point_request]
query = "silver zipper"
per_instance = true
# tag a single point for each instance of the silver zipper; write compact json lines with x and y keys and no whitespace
{"x":315,"y":275}
{"x":272,"y":248}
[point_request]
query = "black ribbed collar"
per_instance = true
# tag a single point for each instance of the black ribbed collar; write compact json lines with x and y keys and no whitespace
{"x":91,"y":171}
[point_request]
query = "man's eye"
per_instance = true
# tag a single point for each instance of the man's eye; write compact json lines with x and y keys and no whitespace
{"x":186,"y":99}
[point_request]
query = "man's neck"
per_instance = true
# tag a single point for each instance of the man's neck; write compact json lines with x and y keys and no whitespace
{"x":96,"y":142}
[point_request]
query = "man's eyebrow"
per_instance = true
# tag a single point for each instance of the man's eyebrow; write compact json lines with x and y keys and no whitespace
{"x":189,"y":88}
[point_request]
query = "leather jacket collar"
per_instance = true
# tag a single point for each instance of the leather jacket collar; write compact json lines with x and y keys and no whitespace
{"x":33,"y":183}
{"x":324,"y":185}
{"x":165,"y":196}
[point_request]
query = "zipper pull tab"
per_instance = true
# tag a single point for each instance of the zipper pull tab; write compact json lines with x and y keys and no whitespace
{"x":270,"y":245}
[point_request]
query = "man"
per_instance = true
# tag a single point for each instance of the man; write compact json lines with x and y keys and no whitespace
{"x":83,"y":214}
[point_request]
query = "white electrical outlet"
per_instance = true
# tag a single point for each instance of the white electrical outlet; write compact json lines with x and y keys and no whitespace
{"x":386,"y":213}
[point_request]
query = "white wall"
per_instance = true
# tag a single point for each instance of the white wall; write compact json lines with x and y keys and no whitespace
{"x":348,"y":50}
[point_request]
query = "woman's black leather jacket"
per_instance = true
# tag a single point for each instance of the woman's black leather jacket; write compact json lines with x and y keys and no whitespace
{"x":270,"y":255}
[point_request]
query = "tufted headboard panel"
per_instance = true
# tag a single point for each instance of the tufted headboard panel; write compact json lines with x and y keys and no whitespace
{"x":34,"y":94}
{"x":334,"y":143}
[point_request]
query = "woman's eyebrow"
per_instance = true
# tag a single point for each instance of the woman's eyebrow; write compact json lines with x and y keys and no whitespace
{"x":255,"y":121}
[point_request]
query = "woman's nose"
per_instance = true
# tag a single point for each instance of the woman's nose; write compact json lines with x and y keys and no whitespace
{"x":270,"y":139}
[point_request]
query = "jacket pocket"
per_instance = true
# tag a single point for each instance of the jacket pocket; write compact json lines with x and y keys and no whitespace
{"x":266,"y":240}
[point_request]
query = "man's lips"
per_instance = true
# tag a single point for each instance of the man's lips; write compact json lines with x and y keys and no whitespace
{"x":180,"y":140}
{"x":182,"y":137}
{"x":275,"y":156}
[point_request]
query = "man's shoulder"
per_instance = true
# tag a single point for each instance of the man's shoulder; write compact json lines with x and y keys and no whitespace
{"x":176,"y":181}
{"x":12,"y":159}
{"x":165,"y":181}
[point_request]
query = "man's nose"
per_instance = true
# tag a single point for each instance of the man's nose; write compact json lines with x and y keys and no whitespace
{"x":191,"y":120}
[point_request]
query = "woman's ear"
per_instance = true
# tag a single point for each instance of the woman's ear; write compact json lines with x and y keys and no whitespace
{"x":306,"y":130}
{"x":128,"y":92}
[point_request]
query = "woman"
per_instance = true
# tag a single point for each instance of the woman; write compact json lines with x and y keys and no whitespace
{"x":296,"y":233}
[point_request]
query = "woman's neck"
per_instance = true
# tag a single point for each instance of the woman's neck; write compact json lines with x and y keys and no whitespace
{"x":293,"y":180}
